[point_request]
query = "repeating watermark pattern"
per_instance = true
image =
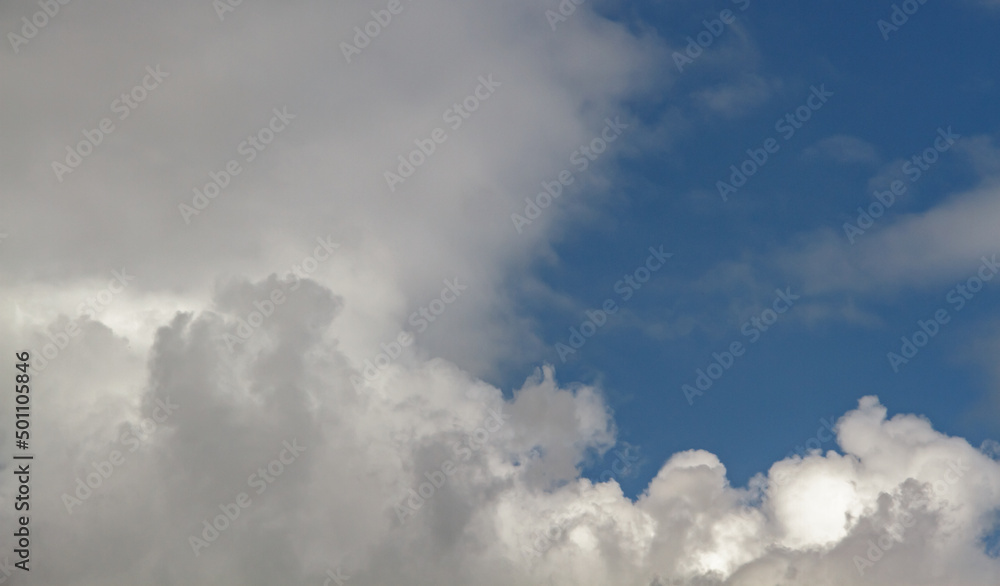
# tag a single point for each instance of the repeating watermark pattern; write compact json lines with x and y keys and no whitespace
{"x":250,"y":148}
{"x":867,"y":217}
{"x":824,"y":434}
{"x":540,"y":542}
{"x":420,"y":320}
{"x":454,"y":117}
{"x":104,"y":469}
{"x":913,"y":169}
{"x":260,"y":480}
{"x":626,"y":288}
{"x":786,"y":127}
{"x":753,"y":328}
{"x":703,"y":40}
{"x":622,"y":465}
{"x":895,"y":533}
{"x":90,"y":308}
{"x":567,"y":8}
{"x":580,"y":159}
{"x":900,"y":15}
{"x":957,"y":297}
{"x":265,"y":308}
{"x":414,"y":499}
{"x":123,"y":106}
{"x":38,"y":21}
{"x":621,"y":457}
{"x":308,"y":265}
{"x":469,"y":447}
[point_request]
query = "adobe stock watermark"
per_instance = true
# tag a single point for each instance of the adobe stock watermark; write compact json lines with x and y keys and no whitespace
{"x":542,"y":541}
{"x":38,"y":21}
{"x":261,"y":480}
{"x":90,"y":308}
{"x":454,"y":117}
{"x":224,"y":6}
{"x":335,"y":576}
{"x":824,"y":434}
{"x":913,"y":169}
{"x":308,"y":265}
{"x":895,"y":533}
{"x":132,"y":438}
{"x":625,"y":288}
{"x":265,"y":308}
{"x":900,"y":15}
{"x":123,"y":105}
{"x":420,"y":320}
{"x":566,"y":9}
{"x":581,"y":158}
{"x":250,"y":148}
{"x":753,"y":328}
{"x":623,"y":458}
{"x":958,"y":297}
{"x":713,"y":30}
{"x":364,"y":34}
{"x":414,"y":499}
{"x":786,"y":126}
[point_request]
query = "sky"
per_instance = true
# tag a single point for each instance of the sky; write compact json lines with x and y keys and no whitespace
{"x":539,"y":293}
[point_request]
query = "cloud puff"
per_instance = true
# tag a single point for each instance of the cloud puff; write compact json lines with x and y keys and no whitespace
{"x":199,"y":425}
{"x":429,"y":463}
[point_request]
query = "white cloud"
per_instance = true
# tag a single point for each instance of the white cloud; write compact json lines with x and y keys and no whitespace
{"x":162,"y":341}
{"x":323,"y":175}
{"x":931,"y":248}
{"x":364,"y":451}
{"x":897,"y":250}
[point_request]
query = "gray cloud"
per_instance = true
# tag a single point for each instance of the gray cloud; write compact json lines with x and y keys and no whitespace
{"x":155,"y":482}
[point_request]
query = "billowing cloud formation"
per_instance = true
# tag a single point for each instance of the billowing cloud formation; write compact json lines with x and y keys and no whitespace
{"x":204,"y":413}
{"x":256,"y":137}
{"x":259,"y":462}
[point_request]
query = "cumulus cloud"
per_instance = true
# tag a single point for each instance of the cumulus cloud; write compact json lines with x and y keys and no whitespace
{"x":352,"y":122}
{"x":243,"y":395}
{"x":430,"y":463}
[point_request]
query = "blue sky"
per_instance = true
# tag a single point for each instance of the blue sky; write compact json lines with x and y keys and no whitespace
{"x":450,"y":292}
{"x":890,"y":98}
